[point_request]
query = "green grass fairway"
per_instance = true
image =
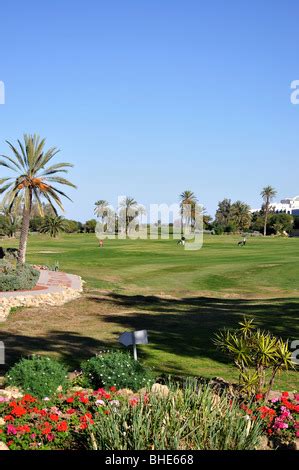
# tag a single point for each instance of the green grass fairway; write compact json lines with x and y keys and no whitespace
{"x":182,"y":297}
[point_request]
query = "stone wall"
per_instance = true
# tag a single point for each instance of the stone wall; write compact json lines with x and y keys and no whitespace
{"x":57,"y":295}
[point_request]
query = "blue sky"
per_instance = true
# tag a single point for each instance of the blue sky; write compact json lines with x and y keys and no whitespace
{"x":151,"y":97}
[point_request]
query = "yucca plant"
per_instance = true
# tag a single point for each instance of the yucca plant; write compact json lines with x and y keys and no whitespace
{"x":33,"y":182}
{"x":256,"y":354}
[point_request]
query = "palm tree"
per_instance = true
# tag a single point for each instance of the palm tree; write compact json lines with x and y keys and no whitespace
{"x":223,"y":213}
{"x":241,"y":215}
{"x":33,"y":181}
{"x":187,"y":198}
{"x":101,"y":209}
{"x":128,"y":210}
{"x":53,"y":224}
{"x":267,"y":193}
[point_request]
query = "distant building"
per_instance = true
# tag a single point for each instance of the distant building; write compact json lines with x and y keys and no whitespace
{"x":289,"y":205}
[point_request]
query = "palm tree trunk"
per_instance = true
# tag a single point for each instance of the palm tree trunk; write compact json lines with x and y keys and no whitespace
{"x":266,"y":217}
{"x":24,"y":233}
{"x":265,"y":223}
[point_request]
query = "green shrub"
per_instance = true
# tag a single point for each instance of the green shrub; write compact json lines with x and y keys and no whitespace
{"x":17,"y":277}
{"x":118,"y":369}
{"x":193,"y":418}
{"x":38,"y":375}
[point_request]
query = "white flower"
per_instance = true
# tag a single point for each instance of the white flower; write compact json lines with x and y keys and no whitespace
{"x":100,"y":402}
{"x":46,"y":399}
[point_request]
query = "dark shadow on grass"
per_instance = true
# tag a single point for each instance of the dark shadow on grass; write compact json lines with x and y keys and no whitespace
{"x":71,"y":347}
{"x":185,"y":327}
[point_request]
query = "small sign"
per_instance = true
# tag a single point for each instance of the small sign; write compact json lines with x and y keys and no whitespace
{"x":129,"y":338}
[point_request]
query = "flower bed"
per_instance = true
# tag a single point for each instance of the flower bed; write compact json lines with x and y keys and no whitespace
{"x":179,"y":419}
{"x":280,"y":418}
{"x":31,"y":423}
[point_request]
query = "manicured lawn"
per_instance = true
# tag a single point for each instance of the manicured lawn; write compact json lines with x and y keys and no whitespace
{"x":181,"y":297}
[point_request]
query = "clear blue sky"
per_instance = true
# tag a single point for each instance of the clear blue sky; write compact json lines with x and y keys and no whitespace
{"x":151,"y":97}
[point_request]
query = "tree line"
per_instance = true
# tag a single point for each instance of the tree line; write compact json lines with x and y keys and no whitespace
{"x":33,"y":196}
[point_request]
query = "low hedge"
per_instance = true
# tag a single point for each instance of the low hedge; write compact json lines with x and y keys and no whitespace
{"x":39,"y":375}
{"x":116,"y":369}
{"x":17,"y":277}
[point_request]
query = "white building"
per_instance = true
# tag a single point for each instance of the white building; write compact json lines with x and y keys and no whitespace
{"x":290,"y":205}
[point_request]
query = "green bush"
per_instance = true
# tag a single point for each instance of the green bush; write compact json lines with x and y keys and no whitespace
{"x":38,"y":375}
{"x":118,"y":369}
{"x":194,"y":418}
{"x":17,"y":277}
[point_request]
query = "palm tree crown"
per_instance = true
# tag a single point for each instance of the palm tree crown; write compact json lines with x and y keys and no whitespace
{"x":101,"y":208}
{"x":267,"y":193}
{"x":33,"y":181}
{"x":53,"y":225}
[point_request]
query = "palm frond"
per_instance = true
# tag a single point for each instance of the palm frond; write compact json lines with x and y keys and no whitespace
{"x":58,"y":179}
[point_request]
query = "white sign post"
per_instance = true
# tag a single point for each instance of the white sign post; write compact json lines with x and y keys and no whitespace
{"x":132,"y":338}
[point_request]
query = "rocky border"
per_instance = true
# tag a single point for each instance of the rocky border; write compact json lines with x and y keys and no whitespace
{"x":55,"y":289}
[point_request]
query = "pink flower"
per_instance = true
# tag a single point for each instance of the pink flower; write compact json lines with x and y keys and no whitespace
{"x":11,"y":429}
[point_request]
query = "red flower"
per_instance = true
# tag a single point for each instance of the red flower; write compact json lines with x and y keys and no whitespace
{"x":8,"y":418}
{"x":47,"y":429}
{"x":70,"y":400}
{"x":9,"y":443}
{"x":24,"y":429}
{"x":106,"y":412}
{"x":83,"y":426}
{"x":84,"y":399}
{"x":62,"y":427}
{"x":259,"y":396}
{"x":18,"y":410}
{"x":285,"y":394}
{"x":113,"y":389}
{"x":70,"y":411}
{"x":54,"y":417}
{"x":133,"y":401}
{"x":28,"y":399}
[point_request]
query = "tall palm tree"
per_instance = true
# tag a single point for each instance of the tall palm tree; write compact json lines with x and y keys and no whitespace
{"x":187,"y":198}
{"x":267,"y":193}
{"x":53,"y":225}
{"x":101,"y":209}
{"x":241,"y":215}
{"x":33,"y":181}
{"x":128,"y":210}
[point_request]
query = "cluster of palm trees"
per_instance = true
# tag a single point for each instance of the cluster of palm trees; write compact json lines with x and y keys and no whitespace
{"x":34,"y":183}
{"x":129,"y":210}
{"x":238,"y":215}
{"x":34,"y":180}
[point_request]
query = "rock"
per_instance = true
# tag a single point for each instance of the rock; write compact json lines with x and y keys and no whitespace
{"x":161,"y":390}
{"x":3,"y":446}
{"x":11,"y":392}
{"x":125,"y":392}
{"x":264,"y":444}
